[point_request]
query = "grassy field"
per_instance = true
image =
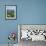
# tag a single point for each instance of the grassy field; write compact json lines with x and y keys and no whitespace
{"x":10,"y":13}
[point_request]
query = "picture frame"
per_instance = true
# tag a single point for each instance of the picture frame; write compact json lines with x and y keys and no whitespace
{"x":10,"y":12}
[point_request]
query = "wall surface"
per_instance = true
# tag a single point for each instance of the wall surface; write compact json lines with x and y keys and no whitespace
{"x":28,"y":12}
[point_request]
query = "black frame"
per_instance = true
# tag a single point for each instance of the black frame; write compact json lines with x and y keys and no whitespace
{"x":5,"y":12}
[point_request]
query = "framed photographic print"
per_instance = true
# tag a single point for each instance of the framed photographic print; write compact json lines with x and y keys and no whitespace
{"x":10,"y":12}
